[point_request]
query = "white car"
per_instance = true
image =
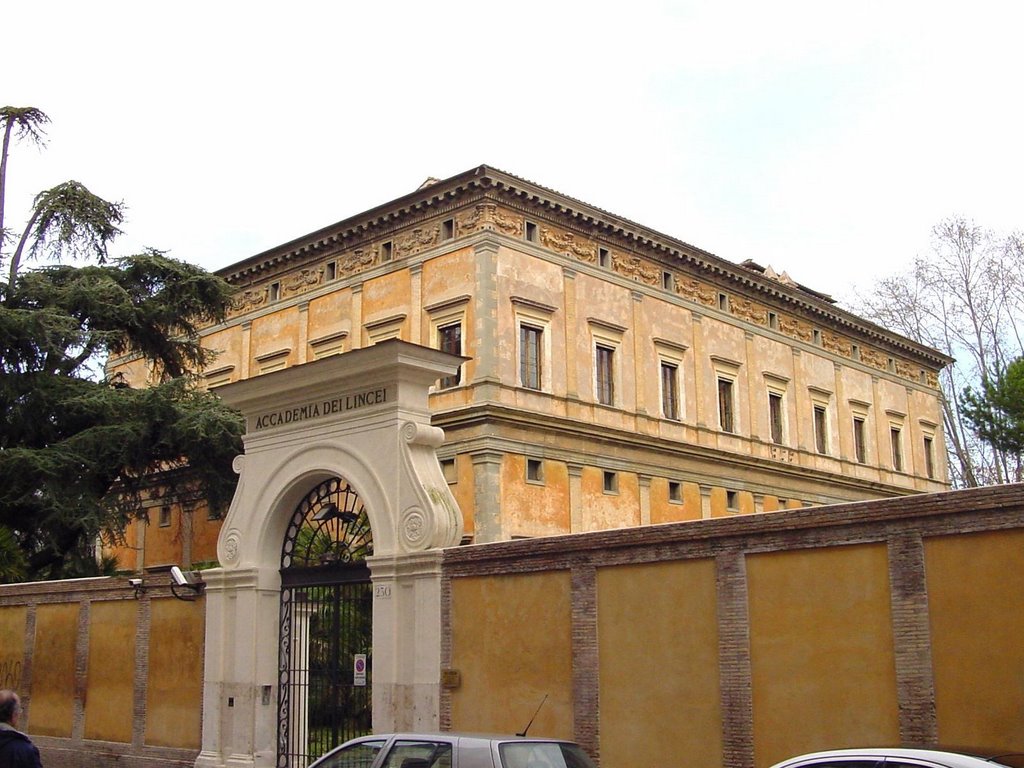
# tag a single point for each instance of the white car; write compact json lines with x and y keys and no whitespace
{"x":453,"y":750}
{"x":905,"y":758}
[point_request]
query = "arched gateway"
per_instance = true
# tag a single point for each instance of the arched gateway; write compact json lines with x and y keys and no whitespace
{"x":328,"y":444}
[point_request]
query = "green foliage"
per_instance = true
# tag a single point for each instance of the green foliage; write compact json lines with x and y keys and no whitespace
{"x":996,"y":411}
{"x":79,"y":450}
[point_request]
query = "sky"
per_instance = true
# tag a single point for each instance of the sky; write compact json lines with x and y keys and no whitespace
{"x":819,"y":138}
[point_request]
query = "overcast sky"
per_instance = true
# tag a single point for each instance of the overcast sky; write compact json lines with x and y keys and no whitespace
{"x":820,"y":138}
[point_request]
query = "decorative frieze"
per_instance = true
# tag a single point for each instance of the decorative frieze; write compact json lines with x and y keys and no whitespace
{"x":636,"y":269}
{"x":488,"y":216}
{"x":566,"y":243}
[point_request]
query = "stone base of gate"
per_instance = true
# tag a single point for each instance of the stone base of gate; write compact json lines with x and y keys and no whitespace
{"x":406,"y":641}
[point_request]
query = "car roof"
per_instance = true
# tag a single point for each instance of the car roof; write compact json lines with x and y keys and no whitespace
{"x":954,"y":759}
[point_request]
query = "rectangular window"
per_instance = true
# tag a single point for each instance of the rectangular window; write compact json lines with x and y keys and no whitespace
{"x":530,"y":339}
{"x":534,"y":471}
{"x":859,"y":446}
{"x":816,"y":337}
{"x":820,"y":429}
{"x":448,"y":229}
{"x":723,"y":302}
{"x":775,"y":416}
{"x":448,"y":470}
{"x":773,"y":321}
{"x":275,"y":291}
{"x":897,"y":449}
{"x":386,"y":251}
{"x":666,"y":281}
{"x":929,"y":456}
{"x":675,"y":492}
{"x":670,"y":391}
{"x":732,"y":500}
{"x":331,"y":271}
{"x":531,"y":232}
{"x":449,"y":339}
{"x":604,"y":258}
{"x":604,"y":361}
{"x":611,"y":482}
{"x":165,"y":517}
{"x":726,"y":406}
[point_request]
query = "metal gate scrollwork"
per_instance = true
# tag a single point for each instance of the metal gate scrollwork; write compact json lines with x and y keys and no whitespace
{"x":326,"y":625}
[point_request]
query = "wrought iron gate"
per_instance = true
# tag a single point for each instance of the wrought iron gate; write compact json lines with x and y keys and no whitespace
{"x":326,"y":625}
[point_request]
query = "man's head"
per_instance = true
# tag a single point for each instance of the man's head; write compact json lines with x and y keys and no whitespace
{"x":10,"y":707}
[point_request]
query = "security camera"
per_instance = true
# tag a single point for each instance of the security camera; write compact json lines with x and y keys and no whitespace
{"x":135,"y":583}
{"x":178,"y":577}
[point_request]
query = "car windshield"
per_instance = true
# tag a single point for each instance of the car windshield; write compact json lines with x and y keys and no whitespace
{"x":542,"y":754}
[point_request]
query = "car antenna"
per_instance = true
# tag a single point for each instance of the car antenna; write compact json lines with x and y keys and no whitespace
{"x":534,"y":716}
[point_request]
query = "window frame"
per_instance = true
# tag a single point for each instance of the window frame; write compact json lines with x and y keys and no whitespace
{"x":536,"y":318}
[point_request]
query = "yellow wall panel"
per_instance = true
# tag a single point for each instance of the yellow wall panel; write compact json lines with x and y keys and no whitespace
{"x":111,"y":673}
{"x":12,"y":645}
{"x":53,"y":669}
{"x":512,"y":645}
{"x":821,"y":647}
{"x":658,"y":645}
{"x":535,"y":508}
{"x":174,"y":692}
{"x":975,"y":594}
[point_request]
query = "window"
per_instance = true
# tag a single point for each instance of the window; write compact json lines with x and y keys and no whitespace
{"x":773,"y":321}
{"x":675,"y":492}
{"x":855,"y":351}
{"x":275,"y":291}
{"x":726,"y":405}
{"x":329,"y":344}
{"x":533,"y":321}
{"x":449,"y":339}
{"x":611,"y":482}
{"x":418,"y":754}
{"x":604,"y":361}
{"x":859,"y":445}
{"x":723,"y":302}
{"x":531,"y":231}
{"x":821,"y":429}
{"x":386,"y":251}
{"x":359,"y":755}
{"x":775,"y":416}
{"x":530,"y":351}
{"x":165,"y":517}
{"x":448,"y":229}
{"x":816,"y":337}
{"x":331,"y":270}
{"x":385,"y":328}
{"x":604,"y":258}
{"x":897,"y":448}
{"x":666,"y":281}
{"x":670,"y":391}
{"x":534,"y":471}
{"x":732,"y":500}
{"x":929,"y":456}
{"x":448,"y":470}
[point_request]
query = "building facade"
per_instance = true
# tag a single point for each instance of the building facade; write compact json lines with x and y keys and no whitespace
{"x":614,"y":376}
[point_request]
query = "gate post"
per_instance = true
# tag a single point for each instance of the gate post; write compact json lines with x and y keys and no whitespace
{"x":406,"y":641}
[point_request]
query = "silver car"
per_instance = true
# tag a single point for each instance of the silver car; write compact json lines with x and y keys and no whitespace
{"x":453,"y":750}
{"x":905,"y":758}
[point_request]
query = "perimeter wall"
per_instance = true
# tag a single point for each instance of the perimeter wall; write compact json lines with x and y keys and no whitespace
{"x":733,"y":642}
{"x":106,"y":677}
{"x":738,"y":642}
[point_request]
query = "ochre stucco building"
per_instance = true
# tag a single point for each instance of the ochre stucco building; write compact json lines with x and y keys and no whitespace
{"x":615,"y":376}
